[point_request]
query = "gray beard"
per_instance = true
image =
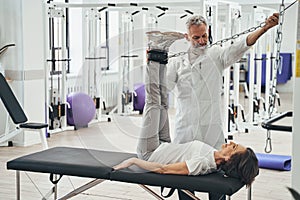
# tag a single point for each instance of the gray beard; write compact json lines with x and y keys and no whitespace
{"x":194,"y":53}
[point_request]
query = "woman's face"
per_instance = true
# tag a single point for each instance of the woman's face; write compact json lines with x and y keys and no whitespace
{"x":232,"y":148}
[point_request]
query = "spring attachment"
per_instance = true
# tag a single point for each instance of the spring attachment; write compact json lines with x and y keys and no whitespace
{"x":268,"y":147}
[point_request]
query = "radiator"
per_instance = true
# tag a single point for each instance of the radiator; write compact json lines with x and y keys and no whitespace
{"x":109,"y":90}
{"x":107,"y":87}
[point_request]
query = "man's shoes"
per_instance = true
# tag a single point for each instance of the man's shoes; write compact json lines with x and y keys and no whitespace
{"x":162,"y":40}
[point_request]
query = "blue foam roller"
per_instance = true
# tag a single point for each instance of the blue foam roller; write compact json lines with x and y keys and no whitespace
{"x":272,"y":161}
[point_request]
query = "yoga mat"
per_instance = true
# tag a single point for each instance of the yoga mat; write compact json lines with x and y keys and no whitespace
{"x":272,"y":161}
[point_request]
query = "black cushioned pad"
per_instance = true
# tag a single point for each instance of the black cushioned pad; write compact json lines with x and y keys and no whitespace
{"x":98,"y":164}
{"x":10,"y":102}
{"x":215,"y":182}
{"x":33,"y":125}
{"x":70,"y":161}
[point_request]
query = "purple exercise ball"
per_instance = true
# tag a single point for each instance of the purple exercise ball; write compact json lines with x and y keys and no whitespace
{"x":82,"y":109}
{"x":139,"y":100}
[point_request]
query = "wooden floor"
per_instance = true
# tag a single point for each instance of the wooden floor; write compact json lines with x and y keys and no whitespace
{"x":121,"y":135}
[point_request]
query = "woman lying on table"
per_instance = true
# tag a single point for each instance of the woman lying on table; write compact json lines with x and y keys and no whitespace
{"x":155,"y":151}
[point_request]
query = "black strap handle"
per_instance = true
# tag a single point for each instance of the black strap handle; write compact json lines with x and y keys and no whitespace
{"x":54,"y":181}
{"x":169,"y":194}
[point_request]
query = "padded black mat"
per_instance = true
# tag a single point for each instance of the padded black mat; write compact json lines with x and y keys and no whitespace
{"x":97,"y":164}
{"x":10,"y":102}
{"x":214,"y":182}
{"x":70,"y":161}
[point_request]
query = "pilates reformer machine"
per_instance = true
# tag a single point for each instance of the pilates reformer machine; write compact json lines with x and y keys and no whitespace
{"x":96,"y":164}
{"x":125,"y":105}
{"x":96,"y":59}
{"x":253,"y":69}
{"x":60,"y":81}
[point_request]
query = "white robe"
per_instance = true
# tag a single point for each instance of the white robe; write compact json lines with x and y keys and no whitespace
{"x":197,"y":88}
{"x":198,"y":156}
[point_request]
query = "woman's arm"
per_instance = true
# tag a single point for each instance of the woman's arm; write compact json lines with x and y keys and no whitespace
{"x":270,"y":22}
{"x":176,"y":168}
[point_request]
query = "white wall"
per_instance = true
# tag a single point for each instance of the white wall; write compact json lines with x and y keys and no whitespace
{"x":296,"y":125}
{"x":10,"y":32}
{"x":22,"y":23}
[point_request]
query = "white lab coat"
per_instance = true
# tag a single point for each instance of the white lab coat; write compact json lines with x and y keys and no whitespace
{"x":197,"y":88}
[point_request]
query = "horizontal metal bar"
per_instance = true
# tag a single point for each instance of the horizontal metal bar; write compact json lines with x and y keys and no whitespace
{"x":268,"y":124}
{"x":190,"y":194}
{"x":151,"y":192}
{"x":119,"y":5}
{"x":82,"y":188}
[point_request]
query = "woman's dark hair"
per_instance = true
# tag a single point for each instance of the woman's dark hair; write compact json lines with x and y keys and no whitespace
{"x":242,"y":165}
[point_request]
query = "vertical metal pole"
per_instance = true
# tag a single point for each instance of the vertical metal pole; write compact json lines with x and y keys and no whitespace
{"x":47,"y":27}
{"x":258,"y":69}
{"x":236,"y":88}
{"x":296,"y":114}
{"x":67,"y":39}
{"x":64,"y":67}
{"x":251,"y":85}
{"x":226,"y":75}
{"x":236,"y":27}
{"x":92,"y":54}
{"x":7,"y":125}
{"x":90,"y":49}
{"x":98,"y":67}
{"x":120,"y":72}
{"x":86,"y":53}
{"x":52,"y":69}
{"x":107,"y":38}
{"x":43,"y":139}
{"x":249,"y":192}
{"x":18,"y":188}
{"x":55,"y":187}
{"x":268,"y":75}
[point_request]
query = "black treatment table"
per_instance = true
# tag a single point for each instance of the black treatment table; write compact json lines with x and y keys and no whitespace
{"x":97,"y":164}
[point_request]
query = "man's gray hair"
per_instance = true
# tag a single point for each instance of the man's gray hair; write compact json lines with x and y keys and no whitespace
{"x":195,"y":20}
